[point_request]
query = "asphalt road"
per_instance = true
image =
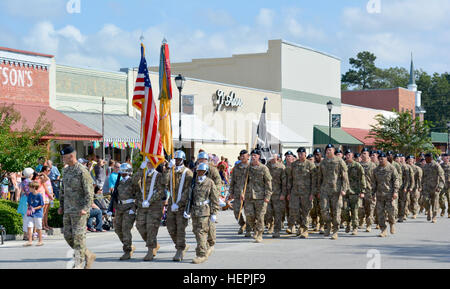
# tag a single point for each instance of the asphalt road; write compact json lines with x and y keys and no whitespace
{"x":417,"y":244}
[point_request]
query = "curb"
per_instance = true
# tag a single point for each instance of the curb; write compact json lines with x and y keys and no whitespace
{"x":51,"y":234}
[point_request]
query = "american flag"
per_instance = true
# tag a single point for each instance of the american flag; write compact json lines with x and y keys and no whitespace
{"x":143,"y":100}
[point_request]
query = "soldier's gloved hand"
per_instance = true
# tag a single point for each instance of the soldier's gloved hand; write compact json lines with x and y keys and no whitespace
{"x":174,"y":207}
{"x":131,"y":212}
{"x":143,"y":165}
{"x":213,"y":218}
{"x":171,"y":163}
{"x":109,"y":213}
{"x":186,"y":215}
{"x":222,"y":203}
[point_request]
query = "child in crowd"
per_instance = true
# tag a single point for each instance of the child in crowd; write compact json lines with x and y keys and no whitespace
{"x":35,"y":214}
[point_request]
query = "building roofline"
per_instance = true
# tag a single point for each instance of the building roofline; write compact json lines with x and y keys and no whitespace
{"x":26,"y":52}
{"x":309,"y":48}
{"x":376,"y":89}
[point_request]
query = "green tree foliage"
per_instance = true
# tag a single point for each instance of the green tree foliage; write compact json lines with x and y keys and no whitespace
{"x":21,"y":148}
{"x":363,"y":75}
{"x":402,"y":134}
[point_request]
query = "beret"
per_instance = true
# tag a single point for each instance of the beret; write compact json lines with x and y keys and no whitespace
{"x":289,"y":153}
{"x":357,"y":155}
{"x":317,"y":151}
{"x":67,"y":150}
{"x":428,"y":155}
{"x":329,"y":146}
{"x":382,"y":155}
{"x":256,"y":151}
{"x":348,"y":151}
{"x":310,"y":156}
{"x":301,"y":150}
{"x":338,"y":151}
{"x":243,"y":152}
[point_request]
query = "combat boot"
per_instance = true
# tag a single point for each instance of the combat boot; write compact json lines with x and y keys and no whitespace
{"x":383,"y":233}
{"x":199,"y":259}
{"x":155,"y":250}
{"x":209,"y":251}
{"x":347,"y":230}
{"x":377,"y":227}
{"x":304,"y":235}
{"x":149,"y":256}
{"x":368,"y":228}
{"x":178,"y":254}
{"x":400,"y":220}
{"x":428,"y":217}
{"x":414,"y":216}
{"x":392,"y":229}
{"x":241,"y":229}
{"x":270,"y":230}
{"x":434,"y":220}
{"x":248,"y":234}
{"x":90,"y":258}
{"x":335,"y":234}
{"x":300,"y":231}
{"x":289,"y":229}
{"x":321,"y":230}
{"x":258,"y":237}
{"x":355,"y":231}
{"x":442,"y":212}
{"x":276,"y":234}
{"x":127,"y":255}
{"x":327,"y":231}
{"x":317,"y":228}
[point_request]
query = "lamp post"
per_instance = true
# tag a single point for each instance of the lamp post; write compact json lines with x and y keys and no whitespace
{"x":179,"y":81}
{"x":448,"y":137}
{"x":330,"y":107}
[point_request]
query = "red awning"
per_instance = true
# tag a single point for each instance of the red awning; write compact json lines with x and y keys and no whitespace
{"x":360,"y":134}
{"x":64,"y":128}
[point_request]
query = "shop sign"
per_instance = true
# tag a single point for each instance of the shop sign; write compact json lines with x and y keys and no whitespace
{"x":229,"y":100}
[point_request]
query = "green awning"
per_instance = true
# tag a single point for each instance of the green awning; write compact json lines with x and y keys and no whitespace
{"x":439,"y":137}
{"x":338,"y":136}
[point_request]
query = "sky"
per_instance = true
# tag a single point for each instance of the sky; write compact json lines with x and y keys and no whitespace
{"x":105,"y":34}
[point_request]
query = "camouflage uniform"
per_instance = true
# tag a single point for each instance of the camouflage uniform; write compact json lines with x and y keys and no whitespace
{"x":259,"y":187}
{"x":357,"y":186}
{"x":236,"y":187}
{"x":125,"y":213}
{"x":300,"y":188}
{"x":315,"y":211}
{"x":276,"y":207}
{"x":415,"y":194}
{"x":205,"y":202}
{"x":176,"y":223}
{"x":368,"y":203}
{"x":77,"y":193}
{"x":407,"y":186}
{"x":214,"y":175}
{"x":287,"y":214}
{"x":332,"y":179}
{"x":148,"y":219}
{"x":445,"y":194}
{"x":385,"y":185}
{"x":433,"y":183}
{"x":398,"y":168}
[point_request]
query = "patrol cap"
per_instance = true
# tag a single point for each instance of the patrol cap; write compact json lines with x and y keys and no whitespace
{"x":203,"y":167}
{"x":366,"y":150}
{"x":317,"y":151}
{"x":288,"y":153}
{"x":243,"y":152}
{"x":301,"y":150}
{"x":256,"y":151}
{"x":348,"y":151}
{"x":67,"y":150}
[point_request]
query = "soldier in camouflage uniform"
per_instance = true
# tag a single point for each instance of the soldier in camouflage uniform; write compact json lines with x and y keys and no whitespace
{"x":213,"y":174}
{"x":415,"y":193}
{"x":445,"y":194}
{"x":316,"y":217}
{"x":390,"y":156}
{"x":386,"y":186}
{"x":405,"y":189}
{"x":257,"y":194}
{"x":238,"y":177}
{"x":433,"y":183}
{"x":301,"y":185}
{"x":366,"y":211}
{"x":355,"y":193}
{"x":205,"y":205}
{"x":333,"y":182}
{"x":290,"y":158}
{"x":76,"y":197}
{"x":176,"y":223}
{"x":125,"y":213}
{"x":150,"y":187}
{"x":276,"y":207}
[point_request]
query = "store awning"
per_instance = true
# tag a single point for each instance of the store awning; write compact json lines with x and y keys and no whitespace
{"x":118,"y":128}
{"x":64,"y":127}
{"x":360,"y":134}
{"x":194,"y":129}
{"x":281,"y":134}
{"x":439,"y":137}
{"x":338,"y":136}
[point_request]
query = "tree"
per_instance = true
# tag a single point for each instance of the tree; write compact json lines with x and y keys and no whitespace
{"x":21,"y":148}
{"x":402,"y":133}
{"x":436,"y":99}
{"x":364,"y":74}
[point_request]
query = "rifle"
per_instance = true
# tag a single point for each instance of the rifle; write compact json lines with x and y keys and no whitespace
{"x":191,"y":195}
{"x":114,"y":195}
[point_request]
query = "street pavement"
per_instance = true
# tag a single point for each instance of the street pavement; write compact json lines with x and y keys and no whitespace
{"x":417,"y":244}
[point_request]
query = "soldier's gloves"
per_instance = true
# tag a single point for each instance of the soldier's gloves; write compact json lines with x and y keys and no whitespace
{"x":131,"y":212}
{"x":186,"y":215}
{"x":145,"y":204}
{"x":222,"y":203}
{"x":143,"y":165}
{"x":109,"y":213}
{"x":171,"y":163}
{"x":174,"y":207}
{"x":213,"y":218}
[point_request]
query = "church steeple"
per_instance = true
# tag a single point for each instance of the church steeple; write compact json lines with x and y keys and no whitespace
{"x":412,"y":76}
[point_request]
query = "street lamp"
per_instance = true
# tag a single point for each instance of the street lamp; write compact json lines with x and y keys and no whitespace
{"x":330,"y":107}
{"x":448,"y":137}
{"x":179,"y":81}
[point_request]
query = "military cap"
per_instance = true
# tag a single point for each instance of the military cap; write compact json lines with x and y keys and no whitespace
{"x":397,"y":156}
{"x":317,"y":151}
{"x":356,"y":155}
{"x":390,"y":153}
{"x":421,"y":160}
{"x":428,"y":155}
{"x":329,"y":146}
{"x":348,"y":151}
{"x":310,"y":156}
{"x":67,"y":150}
{"x":288,"y":153}
{"x":338,"y":151}
{"x":256,"y":151}
{"x":365,"y":150}
{"x":243,"y":152}
{"x":378,"y":152}
{"x":301,"y":150}
{"x":382,"y":155}
{"x":409,"y":157}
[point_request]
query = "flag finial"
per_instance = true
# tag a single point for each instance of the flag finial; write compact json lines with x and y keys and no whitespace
{"x":266,"y":98}
{"x":142,"y":37}
{"x":164,"y":41}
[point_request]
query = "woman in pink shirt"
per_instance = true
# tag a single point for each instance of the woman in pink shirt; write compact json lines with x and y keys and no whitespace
{"x":47,"y":194}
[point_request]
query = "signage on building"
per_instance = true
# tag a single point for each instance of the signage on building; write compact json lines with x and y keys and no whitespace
{"x":229,"y":100}
{"x":336,"y":120}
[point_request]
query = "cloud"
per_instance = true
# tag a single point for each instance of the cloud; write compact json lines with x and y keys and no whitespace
{"x":33,"y":8}
{"x":265,"y":18}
